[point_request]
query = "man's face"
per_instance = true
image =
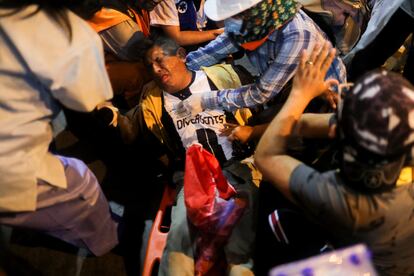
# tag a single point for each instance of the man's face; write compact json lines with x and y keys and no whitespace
{"x":169,"y":71}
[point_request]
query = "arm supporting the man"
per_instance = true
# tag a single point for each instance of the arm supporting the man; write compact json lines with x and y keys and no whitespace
{"x":270,"y":155}
{"x":280,"y":69}
{"x":185,"y":38}
{"x":308,"y":83}
{"x":214,"y":52}
{"x":310,"y":125}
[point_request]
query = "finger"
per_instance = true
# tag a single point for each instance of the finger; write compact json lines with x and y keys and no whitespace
{"x":302,"y":62}
{"x":331,"y":83}
{"x":330,"y":97}
{"x":230,"y":125}
{"x":225,"y":131}
{"x":323,"y":53}
{"x":231,"y":137}
{"x":315,"y":53}
{"x":332,"y":101}
{"x":328,"y":61}
{"x":336,"y":98}
{"x":103,"y":104}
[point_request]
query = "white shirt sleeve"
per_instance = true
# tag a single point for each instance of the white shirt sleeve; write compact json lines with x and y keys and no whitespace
{"x":165,"y":14}
{"x":80,"y":80}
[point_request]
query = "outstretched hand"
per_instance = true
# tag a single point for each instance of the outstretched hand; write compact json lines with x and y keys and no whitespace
{"x":237,"y":132}
{"x":108,"y":112}
{"x":309,"y":80}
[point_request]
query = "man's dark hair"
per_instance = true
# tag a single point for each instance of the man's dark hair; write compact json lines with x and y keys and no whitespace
{"x":168,"y":45}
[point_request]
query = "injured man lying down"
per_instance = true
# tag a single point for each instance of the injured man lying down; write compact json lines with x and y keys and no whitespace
{"x":155,"y":118}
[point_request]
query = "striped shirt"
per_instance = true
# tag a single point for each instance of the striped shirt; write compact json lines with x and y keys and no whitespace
{"x":276,"y":60}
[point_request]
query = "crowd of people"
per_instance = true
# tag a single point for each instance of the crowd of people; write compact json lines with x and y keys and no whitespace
{"x":319,"y":162}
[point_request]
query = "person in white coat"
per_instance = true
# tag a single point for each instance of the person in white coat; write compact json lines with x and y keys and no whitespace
{"x":49,"y":57}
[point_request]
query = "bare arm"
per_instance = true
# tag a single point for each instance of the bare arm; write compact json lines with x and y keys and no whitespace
{"x":312,"y":125}
{"x":308,"y":83}
{"x":185,"y":38}
{"x":309,"y":125}
{"x":270,"y":154}
{"x":243,"y":134}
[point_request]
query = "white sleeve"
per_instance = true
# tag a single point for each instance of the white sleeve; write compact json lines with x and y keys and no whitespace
{"x":80,"y":80}
{"x":165,"y":14}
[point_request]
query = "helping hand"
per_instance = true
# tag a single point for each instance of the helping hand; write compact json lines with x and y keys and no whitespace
{"x":331,"y":97}
{"x":309,"y":80}
{"x":217,"y":32}
{"x":190,"y":107}
{"x":237,"y":132}
{"x":114,"y":111}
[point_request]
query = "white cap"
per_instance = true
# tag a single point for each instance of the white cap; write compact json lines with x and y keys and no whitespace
{"x":221,"y":9}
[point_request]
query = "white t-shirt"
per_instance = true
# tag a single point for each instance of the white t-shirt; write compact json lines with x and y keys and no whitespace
{"x":205,"y":127}
{"x":166,"y":14}
{"x":74,"y":72}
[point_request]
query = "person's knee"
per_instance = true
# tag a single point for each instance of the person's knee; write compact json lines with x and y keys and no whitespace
{"x":240,"y":270}
{"x":180,"y":264}
{"x":179,"y":237}
{"x":81,"y":181}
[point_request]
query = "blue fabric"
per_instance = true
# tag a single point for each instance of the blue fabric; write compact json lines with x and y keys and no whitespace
{"x":276,"y":60}
{"x":187,"y":15}
{"x":233,"y":25}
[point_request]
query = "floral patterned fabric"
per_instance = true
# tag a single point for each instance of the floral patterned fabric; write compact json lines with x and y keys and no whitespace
{"x":265,"y":17}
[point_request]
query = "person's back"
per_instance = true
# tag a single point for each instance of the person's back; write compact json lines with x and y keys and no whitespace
{"x":383,"y":221}
{"x":26,"y":115}
{"x":362,"y":200}
{"x":49,"y":57}
{"x":274,"y":33}
{"x":301,"y":26}
{"x":366,"y":200}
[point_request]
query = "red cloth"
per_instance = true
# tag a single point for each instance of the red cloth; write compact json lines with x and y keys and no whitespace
{"x":211,"y":206}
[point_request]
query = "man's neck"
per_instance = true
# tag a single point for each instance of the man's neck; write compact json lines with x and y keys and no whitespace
{"x":186,"y":81}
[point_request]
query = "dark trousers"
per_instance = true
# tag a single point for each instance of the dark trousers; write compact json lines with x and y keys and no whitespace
{"x":78,"y":214}
{"x":384,"y":45}
{"x":305,"y":238}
